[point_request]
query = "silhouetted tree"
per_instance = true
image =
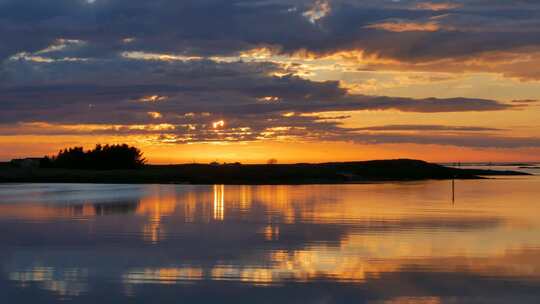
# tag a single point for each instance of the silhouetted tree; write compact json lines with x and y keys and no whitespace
{"x":100,"y":158}
{"x":272,"y":161}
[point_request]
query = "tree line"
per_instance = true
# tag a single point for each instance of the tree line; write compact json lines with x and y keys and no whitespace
{"x":105,"y":157}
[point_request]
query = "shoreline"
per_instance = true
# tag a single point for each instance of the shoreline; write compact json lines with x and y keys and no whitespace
{"x":378,"y":171}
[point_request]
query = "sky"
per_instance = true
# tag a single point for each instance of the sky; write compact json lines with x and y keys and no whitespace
{"x":294,"y":80}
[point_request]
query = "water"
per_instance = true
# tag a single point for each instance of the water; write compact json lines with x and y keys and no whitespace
{"x":368,"y":243}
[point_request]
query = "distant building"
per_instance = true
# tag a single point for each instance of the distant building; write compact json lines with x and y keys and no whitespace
{"x":31,"y":162}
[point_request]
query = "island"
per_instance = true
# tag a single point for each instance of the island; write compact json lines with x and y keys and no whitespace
{"x":247,"y":174}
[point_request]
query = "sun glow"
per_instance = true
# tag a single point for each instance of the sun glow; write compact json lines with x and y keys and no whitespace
{"x":218,"y":124}
{"x":155,"y":115}
{"x":152,"y":98}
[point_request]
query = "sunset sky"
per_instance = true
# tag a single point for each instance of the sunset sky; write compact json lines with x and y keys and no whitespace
{"x":295,"y":80}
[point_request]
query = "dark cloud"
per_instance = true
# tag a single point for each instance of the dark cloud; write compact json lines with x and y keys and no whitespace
{"x":212,"y":27}
{"x":247,"y":128}
{"x":426,"y":128}
{"x":179,"y":101}
{"x":472,"y":140}
{"x":163,"y":62}
{"x":116,"y":91}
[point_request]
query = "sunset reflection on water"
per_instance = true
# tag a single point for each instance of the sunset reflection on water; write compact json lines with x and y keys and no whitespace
{"x":379,"y":243}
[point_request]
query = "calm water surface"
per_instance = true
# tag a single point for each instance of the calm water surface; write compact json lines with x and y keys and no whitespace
{"x":370,"y":243}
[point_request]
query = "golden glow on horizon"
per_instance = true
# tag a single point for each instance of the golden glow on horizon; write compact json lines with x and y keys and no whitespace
{"x":358,"y":72}
{"x":261,"y":151}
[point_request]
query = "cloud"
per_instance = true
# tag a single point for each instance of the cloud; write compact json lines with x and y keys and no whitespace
{"x":172,"y":69}
{"x":520,"y":64}
{"x":124,"y":91}
{"x":438,"y":6}
{"x":319,"y":10}
{"x":187,"y":27}
{"x":471,"y":141}
{"x":408,"y":35}
{"x":427,"y":128}
{"x":209,"y":127}
{"x":406,"y":26}
{"x":525,"y":101}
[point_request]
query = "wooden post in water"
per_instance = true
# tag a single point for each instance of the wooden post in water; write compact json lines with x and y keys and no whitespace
{"x":453,"y":189}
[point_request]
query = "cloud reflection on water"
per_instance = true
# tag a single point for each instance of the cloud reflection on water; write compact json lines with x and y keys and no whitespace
{"x":406,"y":238}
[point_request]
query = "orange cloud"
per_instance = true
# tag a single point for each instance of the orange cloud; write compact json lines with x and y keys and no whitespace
{"x":155,"y":115}
{"x":437,"y":6}
{"x":406,"y":26}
